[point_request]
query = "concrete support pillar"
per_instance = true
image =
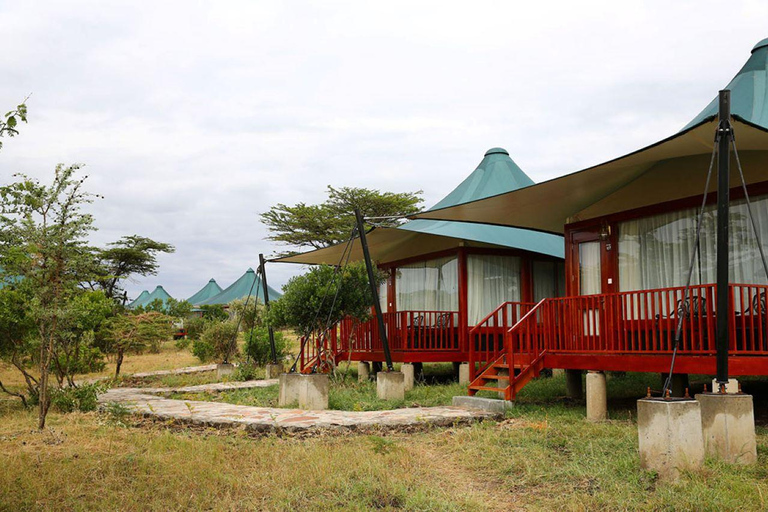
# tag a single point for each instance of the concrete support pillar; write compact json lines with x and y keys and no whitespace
{"x":313,"y":392}
{"x":464,"y":373}
{"x":456,"y":368}
{"x":503,"y":383}
{"x":669,"y":433}
{"x":363,"y":371}
{"x":274,"y":370}
{"x":728,"y":427}
{"x":678,"y":385}
{"x":408,"y":375}
{"x":597,"y":397}
{"x":731,"y":388}
{"x":390,"y":385}
{"x":224,"y":369}
{"x":289,"y":386}
{"x":573,"y":386}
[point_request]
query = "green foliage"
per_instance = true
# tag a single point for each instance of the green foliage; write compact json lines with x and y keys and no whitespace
{"x":178,"y":308}
{"x":331,"y":222}
{"x":134,"y":333}
{"x":195,"y":327}
{"x":214,"y":312}
{"x":182,"y":343}
{"x":218,"y":342}
{"x":249,"y":315}
{"x":248,"y":371}
{"x":257,"y":345}
{"x":9,"y":123}
{"x":302,"y":306}
{"x":83,"y":398}
{"x":130,"y":256}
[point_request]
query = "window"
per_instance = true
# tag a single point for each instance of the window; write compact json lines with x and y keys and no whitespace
{"x":548,"y":279}
{"x":492,"y":280}
{"x":428,"y":285}
{"x":656,"y":252}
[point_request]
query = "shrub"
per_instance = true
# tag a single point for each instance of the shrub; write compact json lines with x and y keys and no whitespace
{"x":218,"y":342}
{"x":83,"y":398}
{"x":195,"y":327}
{"x":182,"y":343}
{"x":247,"y":371}
{"x":214,"y":312}
{"x":257,"y":346}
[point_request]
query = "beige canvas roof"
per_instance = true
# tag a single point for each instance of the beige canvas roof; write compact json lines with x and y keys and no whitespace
{"x":674,"y":168}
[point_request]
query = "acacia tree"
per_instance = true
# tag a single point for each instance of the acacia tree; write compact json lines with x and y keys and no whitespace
{"x":9,"y":122}
{"x":331,"y":222}
{"x":43,"y":233}
{"x":16,"y":338}
{"x":131,"y":333}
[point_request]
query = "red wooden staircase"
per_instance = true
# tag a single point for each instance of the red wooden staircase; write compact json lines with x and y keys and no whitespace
{"x":509,"y":359}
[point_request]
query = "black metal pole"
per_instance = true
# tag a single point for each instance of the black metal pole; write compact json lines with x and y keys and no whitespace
{"x":374,"y":289}
{"x":263,"y":272}
{"x":723,"y":203}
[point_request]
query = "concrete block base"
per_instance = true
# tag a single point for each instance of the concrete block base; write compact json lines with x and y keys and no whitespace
{"x":502,"y":383}
{"x":597,"y":397}
{"x":409,"y":375}
{"x":669,"y":433}
{"x":274,"y":370}
{"x":390,"y":385}
{"x":313,"y":392}
{"x":464,"y":374}
{"x":732,"y":387}
{"x":728,"y":427}
{"x":484,"y":404}
{"x":363,"y":371}
{"x":289,"y":386}
{"x":224,"y":369}
{"x":573,"y":386}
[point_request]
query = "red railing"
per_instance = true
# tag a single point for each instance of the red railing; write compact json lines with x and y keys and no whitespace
{"x":486,"y":339}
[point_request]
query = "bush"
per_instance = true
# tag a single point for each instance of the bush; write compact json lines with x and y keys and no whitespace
{"x":247,"y":371}
{"x":214,"y":312}
{"x":195,"y":327}
{"x":83,"y":398}
{"x":257,"y":346}
{"x":182,"y":343}
{"x":217,"y":342}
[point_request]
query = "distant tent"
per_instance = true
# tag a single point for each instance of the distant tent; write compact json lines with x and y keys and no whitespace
{"x":206,"y":292}
{"x":158,"y":293}
{"x":248,"y":283}
{"x":141,"y":300}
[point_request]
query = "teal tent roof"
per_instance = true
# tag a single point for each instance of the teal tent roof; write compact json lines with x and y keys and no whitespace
{"x":141,"y":300}
{"x":211,"y":289}
{"x":497,"y":173}
{"x":158,"y":293}
{"x":248,"y":283}
{"x":749,"y":91}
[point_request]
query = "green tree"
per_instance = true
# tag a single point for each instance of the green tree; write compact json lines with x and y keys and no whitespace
{"x":257,"y":345}
{"x":217,"y":342}
{"x":308,"y":300}
{"x":134,"y":333}
{"x":130,"y":256}
{"x":17,"y":337}
{"x":249,"y":315}
{"x":10,"y":122}
{"x":331,"y":222}
{"x":214,"y":312}
{"x":43,"y":235}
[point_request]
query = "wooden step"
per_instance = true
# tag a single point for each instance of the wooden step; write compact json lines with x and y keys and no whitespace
{"x":495,"y":377}
{"x":487,"y":388}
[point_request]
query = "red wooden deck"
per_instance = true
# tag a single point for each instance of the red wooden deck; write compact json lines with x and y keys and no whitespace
{"x":627,"y":331}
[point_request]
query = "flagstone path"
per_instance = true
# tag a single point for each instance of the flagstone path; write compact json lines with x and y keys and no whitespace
{"x":177,"y":371}
{"x":145,"y":401}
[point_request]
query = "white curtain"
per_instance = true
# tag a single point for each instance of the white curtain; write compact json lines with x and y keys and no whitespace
{"x":428,"y":285}
{"x":383,"y":297}
{"x":655,"y":252}
{"x":548,"y":279}
{"x":491,"y":281}
{"x":589,"y":268}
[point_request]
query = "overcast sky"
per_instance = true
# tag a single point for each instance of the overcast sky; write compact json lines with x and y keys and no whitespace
{"x":194,"y":117}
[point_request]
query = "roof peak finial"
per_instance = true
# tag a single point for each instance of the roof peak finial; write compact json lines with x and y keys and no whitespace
{"x":497,"y":151}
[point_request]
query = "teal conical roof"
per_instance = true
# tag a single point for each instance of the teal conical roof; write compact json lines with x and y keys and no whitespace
{"x":749,"y":91}
{"x":141,"y":300}
{"x":211,"y":289}
{"x":496,"y":174}
{"x":248,"y":283}
{"x":158,"y":293}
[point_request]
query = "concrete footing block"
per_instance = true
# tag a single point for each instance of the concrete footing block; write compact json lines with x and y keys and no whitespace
{"x":390,"y":385}
{"x":732,"y":387}
{"x":670,"y":439}
{"x":483,"y":404}
{"x":289,"y":386}
{"x":274,"y":370}
{"x":597,"y":397}
{"x":573,"y":385}
{"x":313,"y":392}
{"x":464,"y":374}
{"x":503,"y":383}
{"x":363,"y":371}
{"x":728,"y":427}
{"x":408,"y":375}
{"x":224,"y":369}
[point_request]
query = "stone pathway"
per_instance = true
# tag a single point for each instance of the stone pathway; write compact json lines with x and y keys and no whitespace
{"x":146,"y":401}
{"x":177,"y":371}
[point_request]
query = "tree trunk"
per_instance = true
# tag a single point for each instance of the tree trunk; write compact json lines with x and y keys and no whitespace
{"x":118,"y":363}
{"x":45,"y":362}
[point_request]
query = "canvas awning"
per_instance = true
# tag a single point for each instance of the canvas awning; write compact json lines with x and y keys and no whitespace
{"x":671,"y":169}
